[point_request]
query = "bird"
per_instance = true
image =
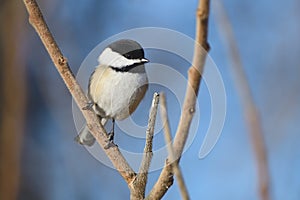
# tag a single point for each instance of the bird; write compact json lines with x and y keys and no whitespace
{"x":116,"y":86}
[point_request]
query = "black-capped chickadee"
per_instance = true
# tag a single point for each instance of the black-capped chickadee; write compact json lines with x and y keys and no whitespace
{"x":117,"y":85}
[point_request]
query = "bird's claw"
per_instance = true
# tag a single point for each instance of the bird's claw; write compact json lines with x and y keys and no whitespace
{"x":111,"y":136}
{"x":110,"y":140}
{"x":110,"y":144}
{"x":89,"y":106}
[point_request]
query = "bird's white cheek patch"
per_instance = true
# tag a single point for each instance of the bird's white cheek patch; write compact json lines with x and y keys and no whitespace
{"x":114,"y":59}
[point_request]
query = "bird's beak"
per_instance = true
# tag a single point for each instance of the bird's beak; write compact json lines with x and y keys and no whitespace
{"x":144,"y":60}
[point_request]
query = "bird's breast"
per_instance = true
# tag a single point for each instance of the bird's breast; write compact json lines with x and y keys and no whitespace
{"x":117,"y":94}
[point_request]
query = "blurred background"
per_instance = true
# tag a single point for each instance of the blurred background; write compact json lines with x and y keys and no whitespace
{"x":38,"y":156}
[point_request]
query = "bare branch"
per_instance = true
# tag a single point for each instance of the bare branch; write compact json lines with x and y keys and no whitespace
{"x":165,"y":179}
{"x":172,"y":159}
{"x":138,"y":186}
{"x":250,"y":111}
{"x":37,"y":21}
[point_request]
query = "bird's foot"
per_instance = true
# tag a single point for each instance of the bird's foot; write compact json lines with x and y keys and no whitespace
{"x":110,"y":144}
{"x":89,"y":106}
{"x":110,"y":140}
{"x":111,"y":136}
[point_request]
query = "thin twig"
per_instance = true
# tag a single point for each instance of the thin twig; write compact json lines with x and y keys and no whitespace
{"x":250,"y":111}
{"x":138,"y":186}
{"x":172,"y":159}
{"x":165,"y":179}
{"x":37,"y":21}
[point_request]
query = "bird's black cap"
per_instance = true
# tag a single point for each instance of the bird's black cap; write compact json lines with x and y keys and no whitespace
{"x":128,"y":48}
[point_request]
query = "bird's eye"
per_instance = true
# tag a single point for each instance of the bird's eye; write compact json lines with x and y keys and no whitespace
{"x":128,"y":56}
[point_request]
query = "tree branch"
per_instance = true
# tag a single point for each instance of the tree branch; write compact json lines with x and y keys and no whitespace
{"x":165,"y":179}
{"x":250,"y":111}
{"x":168,"y":139}
{"x":37,"y":21}
{"x":138,"y":186}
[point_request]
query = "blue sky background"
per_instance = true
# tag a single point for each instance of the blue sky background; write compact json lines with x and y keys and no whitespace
{"x":54,"y":167}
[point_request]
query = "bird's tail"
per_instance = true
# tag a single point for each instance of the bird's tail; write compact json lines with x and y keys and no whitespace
{"x":85,"y":137}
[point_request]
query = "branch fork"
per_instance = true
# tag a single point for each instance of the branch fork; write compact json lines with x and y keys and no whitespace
{"x":135,"y":182}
